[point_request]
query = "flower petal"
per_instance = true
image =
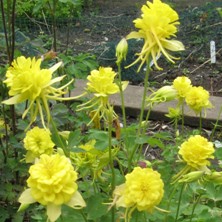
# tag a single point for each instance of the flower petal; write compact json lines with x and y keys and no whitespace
{"x":14,"y":100}
{"x":135,"y":35}
{"x":76,"y":201}
{"x":55,"y":67}
{"x":25,"y":199}
{"x":173,"y":45}
{"x":53,"y":212}
{"x":124,"y":84}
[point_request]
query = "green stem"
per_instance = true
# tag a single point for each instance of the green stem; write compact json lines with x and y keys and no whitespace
{"x":113,"y":181}
{"x":182,"y":112}
{"x":121,"y":95}
{"x":144,"y":97}
{"x":216,"y":124}
{"x":200,"y":126}
{"x":5,"y":32}
{"x":61,"y":143}
{"x":54,"y":25}
{"x":170,"y":199}
{"x":83,"y":215}
{"x":194,"y":207}
{"x":179,"y":202}
{"x":135,"y":148}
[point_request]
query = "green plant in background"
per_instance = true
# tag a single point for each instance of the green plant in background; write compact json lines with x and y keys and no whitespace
{"x":76,"y":163}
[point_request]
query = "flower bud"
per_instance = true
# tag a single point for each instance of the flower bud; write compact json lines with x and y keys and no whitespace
{"x":164,"y":94}
{"x":215,"y":177}
{"x":121,"y":50}
{"x":191,"y":177}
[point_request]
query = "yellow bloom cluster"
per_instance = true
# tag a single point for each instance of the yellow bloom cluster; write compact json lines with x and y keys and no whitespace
{"x":143,"y":190}
{"x":37,"y":141}
{"x":156,"y":27}
{"x":52,"y":182}
{"x":197,"y":98}
{"x":101,"y":82}
{"x":196,"y":151}
{"x":27,"y":81}
{"x":182,"y":84}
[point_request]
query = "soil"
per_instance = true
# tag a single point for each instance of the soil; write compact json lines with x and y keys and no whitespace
{"x":103,"y":23}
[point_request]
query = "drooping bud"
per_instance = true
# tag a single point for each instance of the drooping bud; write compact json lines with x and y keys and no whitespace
{"x":164,"y":94}
{"x":192,"y":176}
{"x":121,"y":50}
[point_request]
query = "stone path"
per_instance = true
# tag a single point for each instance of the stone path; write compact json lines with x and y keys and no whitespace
{"x":133,"y":97}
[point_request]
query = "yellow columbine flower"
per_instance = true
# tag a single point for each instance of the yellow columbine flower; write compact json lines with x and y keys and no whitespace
{"x":143,"y":190}
{"x":28,"y":82}
{"x":37,"y":141}
{"x":101,"y":84}
{"x":52,"y":182}
{"x":156,"y":27}
{"x":197,"y":99}
{"x":196,"y":151}
{"x":182,"y":85}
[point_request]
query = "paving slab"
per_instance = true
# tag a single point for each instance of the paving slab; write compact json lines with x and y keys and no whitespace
{"x":133,"y":97}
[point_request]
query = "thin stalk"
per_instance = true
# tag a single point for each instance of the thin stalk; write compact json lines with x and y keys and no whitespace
{"x":179,"y":202}
{"x":182,"y":118}
{"x":5,"y":31}
{"x":121,"y":95}
{"x":83,"y":215}
{"x":135,"y":148}
{"x":54,"y":25}
{"x":113,"y":181}
{"x":111,"y":158}
{"x":61,"y":143}
{"x":200,"y":122}
{"x":13,"y":31}
{"x":144,"y":96}
{"x":170,"y":199}
{"x":216,"y":124}
{"x":194,"y":207}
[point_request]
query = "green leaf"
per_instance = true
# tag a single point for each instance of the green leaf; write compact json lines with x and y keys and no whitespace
{"x":154,"y":142}
{"x":96,"y":207}
{"x":74,"y":139}
{"x":141,"y":139}
{"x":101,"y":137}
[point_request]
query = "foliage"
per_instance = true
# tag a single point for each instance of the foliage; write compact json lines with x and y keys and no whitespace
{"x":110,"y":160}
{"x":65,"y":8}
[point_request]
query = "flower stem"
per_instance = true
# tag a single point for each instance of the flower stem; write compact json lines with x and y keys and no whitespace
{"x":144,"y":96}
{"x":194,"y":206}
{"x":179,"y":202}
{"x":135,"y":148}
{"x":83,"y":215}
{"x":182,"y":112}
{"x":110,"y":121}
{"x":170,"y":199}
{"x":59,"y":141}
{"x":216,"y":124}
{"x":200,"y":126}
{"x":121,"y":95}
